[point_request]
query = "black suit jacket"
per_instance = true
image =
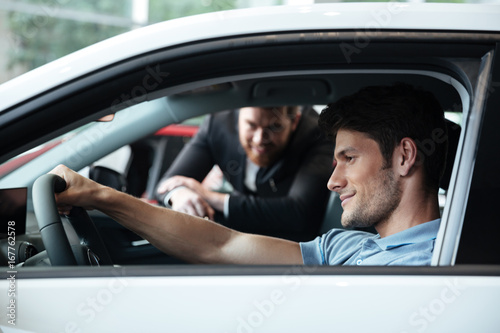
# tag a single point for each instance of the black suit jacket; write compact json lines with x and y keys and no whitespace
{"x":291,"y":194}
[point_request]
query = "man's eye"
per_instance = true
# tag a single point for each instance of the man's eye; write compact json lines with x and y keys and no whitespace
{"x":276,"y":127}
{"x":349,"y":158}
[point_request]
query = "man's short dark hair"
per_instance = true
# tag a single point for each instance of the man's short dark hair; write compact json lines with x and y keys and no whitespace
{"x":290,"y":110}
{"x":388,"y":114}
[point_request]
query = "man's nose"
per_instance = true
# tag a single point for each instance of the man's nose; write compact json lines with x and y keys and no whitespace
{"x":337,"y":180}
{"x":260,"y":136}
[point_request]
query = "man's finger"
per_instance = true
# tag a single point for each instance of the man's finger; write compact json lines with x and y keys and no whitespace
{"x":210,"y":213}
{"x":200,"y":208}
{"x":190,"y":209}
{"x":169,"y":184}
{"x":162,"y":188}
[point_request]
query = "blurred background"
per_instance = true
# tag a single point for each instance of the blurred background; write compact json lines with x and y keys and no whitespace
{"x":35,"y":32}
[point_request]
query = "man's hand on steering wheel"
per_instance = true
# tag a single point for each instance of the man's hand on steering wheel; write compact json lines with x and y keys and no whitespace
{"x":80,"y":191}
{"x":64,"y":191}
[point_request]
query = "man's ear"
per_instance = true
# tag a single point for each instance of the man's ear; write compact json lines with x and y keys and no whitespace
{"x":295,"y":121}
{"x":406,"y":156}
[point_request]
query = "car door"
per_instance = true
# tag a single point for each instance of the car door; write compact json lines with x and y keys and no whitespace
{"x":460,"y":292}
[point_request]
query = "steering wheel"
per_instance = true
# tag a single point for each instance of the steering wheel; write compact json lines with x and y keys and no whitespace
{"x":75,"y":243}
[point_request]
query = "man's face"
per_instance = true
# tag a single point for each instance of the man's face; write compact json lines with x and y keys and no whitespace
{"x":368,"y":188}
{"x":265,"y":133}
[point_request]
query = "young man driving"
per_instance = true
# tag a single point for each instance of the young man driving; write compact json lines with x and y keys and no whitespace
{"x":384,"y":180}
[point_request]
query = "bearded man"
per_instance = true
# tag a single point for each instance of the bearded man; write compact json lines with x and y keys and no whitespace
{"x":276,"y":160}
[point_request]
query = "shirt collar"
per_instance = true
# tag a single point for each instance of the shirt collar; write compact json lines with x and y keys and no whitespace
{"x":419,"y":233}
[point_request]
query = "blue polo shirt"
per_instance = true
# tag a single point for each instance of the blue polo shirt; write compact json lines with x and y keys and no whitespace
{"x":412,"y":246}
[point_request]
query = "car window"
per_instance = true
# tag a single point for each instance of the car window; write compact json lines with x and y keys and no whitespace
{"x":25,"y":157}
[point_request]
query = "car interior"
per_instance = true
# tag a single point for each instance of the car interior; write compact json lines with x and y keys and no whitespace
{"x":193,"y":82}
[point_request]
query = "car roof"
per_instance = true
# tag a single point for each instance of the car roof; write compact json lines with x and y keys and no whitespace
{"x":368,"y":17}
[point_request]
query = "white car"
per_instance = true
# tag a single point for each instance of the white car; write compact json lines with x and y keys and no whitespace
{"x":173,"y":71}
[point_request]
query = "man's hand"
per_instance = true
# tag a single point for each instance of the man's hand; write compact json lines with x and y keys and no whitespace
{"x":80,"y":191}
{"x":187,"y":201}
{"x":176,"y":181}
{"x":215,"y":200}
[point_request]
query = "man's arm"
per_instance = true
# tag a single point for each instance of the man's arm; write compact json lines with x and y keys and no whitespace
{"x":195,"y":160}
{"x":184,"y":236}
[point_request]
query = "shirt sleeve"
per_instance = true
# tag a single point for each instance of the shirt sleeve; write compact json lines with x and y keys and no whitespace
{"x":168,"y":196}
{"x":226,"y":206}
{"x":312,"y":253}
{"x":334,"y":247}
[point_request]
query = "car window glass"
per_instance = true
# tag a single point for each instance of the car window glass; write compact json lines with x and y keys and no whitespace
{"x":29,"y":155}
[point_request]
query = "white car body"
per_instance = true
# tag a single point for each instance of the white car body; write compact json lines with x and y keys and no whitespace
{"x":442,"y":298}
{"x":371,"y":17}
